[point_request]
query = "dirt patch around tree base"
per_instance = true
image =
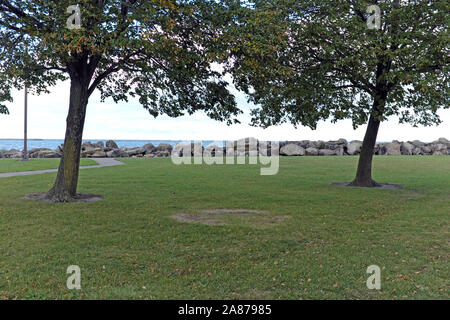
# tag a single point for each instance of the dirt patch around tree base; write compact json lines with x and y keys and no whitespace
{"x":81,"y":197}
{"x":221,"y":217}
{"x":383,"y":186}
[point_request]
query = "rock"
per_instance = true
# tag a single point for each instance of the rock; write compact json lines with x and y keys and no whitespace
{"x":443,"y":141}
{"x":197,"y":149}
{"x":164,"y":147}
{"x":111,"y":144}
{"x":162,"y":154}
{"x":417,"y":143}
{"x":33,"y":153}
{"x":135,"y":152}
{"x":292,"y":150}
{"x":117,"y":153}
{"x":87,"y":146}
{"x":333,"y":145}
{"x":425,"y":150}
{"x":60,"y":149}
{"x":98,"y":154}
{"x":311,"y":151}
{"x":46,"y":154}
{"x":90,"y":152}
{"x":13,"y":153}
{"x":318,"y":144}
{"x":99,"y":145}
{"x":354,"y":147}
{"x":265,"y":148}
{"x":213,"y":151}
{"x":180,"y":150}
{"x":406,"y":148}
{"x":149,"y":148}
{"x":392,"y":149}
{"x":340,"y":151}
{"x":327,"y":152}
{"x":246,"y":147}
{"x":438,"y":147}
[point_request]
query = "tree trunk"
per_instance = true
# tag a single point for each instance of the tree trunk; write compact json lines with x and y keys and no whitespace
{"x":65,"y":187}
{"x":364,"y":172}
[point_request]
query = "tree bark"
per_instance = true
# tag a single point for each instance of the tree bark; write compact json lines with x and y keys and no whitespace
{"x":65,"y":187}
{"x":364,"y":172}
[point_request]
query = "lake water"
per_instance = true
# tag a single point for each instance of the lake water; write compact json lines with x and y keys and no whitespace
{"x":53,"y":144}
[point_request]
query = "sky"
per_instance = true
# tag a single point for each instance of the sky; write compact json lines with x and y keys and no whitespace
{"x":129,"y":121}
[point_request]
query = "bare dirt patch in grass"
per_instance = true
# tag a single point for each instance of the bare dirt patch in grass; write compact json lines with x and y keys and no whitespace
{"x":384,"y":186}
{"x":222,"y":217}
{"x":81,"y":197}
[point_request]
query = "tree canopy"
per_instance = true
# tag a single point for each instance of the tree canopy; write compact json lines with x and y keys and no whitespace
{"x":159,"y":51}
{"x":306,"y":61}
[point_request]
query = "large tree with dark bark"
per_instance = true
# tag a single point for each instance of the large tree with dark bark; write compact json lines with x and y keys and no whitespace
{"x":161,"y":51}
{"x":311,"y":60}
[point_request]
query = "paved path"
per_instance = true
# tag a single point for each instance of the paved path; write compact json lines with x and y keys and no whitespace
{"x":102,"y":162}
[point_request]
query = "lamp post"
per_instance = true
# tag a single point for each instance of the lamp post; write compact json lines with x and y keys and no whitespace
{"x":25,"y":142}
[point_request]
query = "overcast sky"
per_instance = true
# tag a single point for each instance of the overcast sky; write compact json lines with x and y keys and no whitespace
{"x":47,"y":114}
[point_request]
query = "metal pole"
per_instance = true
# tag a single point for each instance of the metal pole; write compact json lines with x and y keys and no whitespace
{"x":25,"y":142}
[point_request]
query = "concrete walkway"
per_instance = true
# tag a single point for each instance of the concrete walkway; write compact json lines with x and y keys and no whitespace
{"x":102,"y":162}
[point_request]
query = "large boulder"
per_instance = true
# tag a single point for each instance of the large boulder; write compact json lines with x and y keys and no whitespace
{"x":46,"y":154}
{"x":438,"y":147}
{"x":417,"y":143}
{"x":117,"y":153}
{"x":162,"y":154}
{"x":292,"y":150}
{"x":392,"y":149}
{"x":327,"y":152}
{"x":318,"y":144}
{"x":93,"y":153}
{"x":354,"y":147}
{"x":213,"y":151}
{"x":246,"y":147}
{"x":335,"y":144}
{"x":407,"y":148}
{"x":426,"y":150}
{"x":417,"y":151}
{"x":111,"y":144}
{"x":149,"y":148}
{"x":87,"y":146}
{"x":164,"y":147}
{"x":443,"y":141}
{"x":311,"y":151}
{"x":13,"y":153}
{"x":135,"y":152}
{"x":100,"y":153}
{"x":265,"y":148}
{"x":99,"y":145}
{"x":180,"y":150}
{"x":197,"y":149}
{"x":34,"y":153}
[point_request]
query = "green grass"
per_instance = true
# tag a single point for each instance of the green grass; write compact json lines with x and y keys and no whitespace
{"x":315,"y":241}
{"x":16,"y":165}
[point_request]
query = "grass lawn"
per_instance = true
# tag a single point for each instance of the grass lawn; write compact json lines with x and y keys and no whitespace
{"x":15,"y":165}
{"x":312,"y":241}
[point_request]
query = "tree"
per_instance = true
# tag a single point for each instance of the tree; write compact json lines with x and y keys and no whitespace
{"x":160,"y":51}
{"x":306,"y":61}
